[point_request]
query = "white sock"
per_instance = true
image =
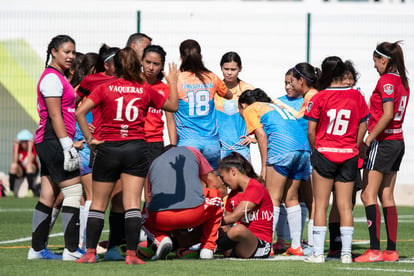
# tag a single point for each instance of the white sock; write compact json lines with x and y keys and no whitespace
{"x":319,"y":233}
{"x":82,"y":226}
{"x":294,"y":219}
{"x":282,"y":227}
{"x":55,"y":213}
{"x":276,"y":212}
{"x":346,"y":239}
{"x":304,"y":212}
{"x":310,"y":232}
{"x":86,"y":213}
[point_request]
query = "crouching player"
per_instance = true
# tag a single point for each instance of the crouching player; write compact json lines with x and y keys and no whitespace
{"x":178,"y":199}
{"x":249,"y":206}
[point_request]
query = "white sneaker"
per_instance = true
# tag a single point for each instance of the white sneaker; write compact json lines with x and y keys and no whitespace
{"x":42,"y":254}
{"x":346,"y":259}
{"x":72,"y":256}
{"x":164,"y":247}
{"x":315,"y":259}
{"x":206,"y":254}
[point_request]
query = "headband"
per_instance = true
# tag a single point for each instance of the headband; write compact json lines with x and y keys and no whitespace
{"x":109,"y":57}
{"x":381,"y":54}
{"x":302,"y":75}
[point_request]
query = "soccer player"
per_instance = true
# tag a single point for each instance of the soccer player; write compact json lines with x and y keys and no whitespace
{"x":284,"y":152}
{"x":196,"y":116}
{"x":249,"y":207}
{"x":58,"y":158}
{"x":125,"y":101}
{"x":385,"y":145}
{"x":337,"y":118}
{"x":231,"y":126}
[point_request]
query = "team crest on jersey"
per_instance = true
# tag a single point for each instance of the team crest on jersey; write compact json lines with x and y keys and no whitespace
{"x":388,"y":89}
{"x":309,"y":106}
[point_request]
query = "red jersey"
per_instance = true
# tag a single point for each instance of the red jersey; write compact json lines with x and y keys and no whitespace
{"x":259,"y":220}
{"x":154,"y":125}
{"x":125,"y":105}
{"x":389,"y":88}
{"x":338,"y":112}
{"x":22,"y":157}
{"x":86,"y":87}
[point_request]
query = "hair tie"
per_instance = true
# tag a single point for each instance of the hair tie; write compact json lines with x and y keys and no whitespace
{"x":302,"y":75}
{"x":109,"y":57}
{"x":382,"y":54}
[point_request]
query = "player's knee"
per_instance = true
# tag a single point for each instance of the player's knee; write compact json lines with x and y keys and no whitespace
{"x":72,"y":195}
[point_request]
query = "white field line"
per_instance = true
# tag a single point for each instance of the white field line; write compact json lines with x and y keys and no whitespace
{"x":376,"y":269}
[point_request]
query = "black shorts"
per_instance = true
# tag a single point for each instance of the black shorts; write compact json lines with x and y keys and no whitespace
{"x":344,"y":172}
{"x":385,"y":156}
{"x":155,"y":149}
{"x":262,"y":251}
{"x":51,"y":158}
{"x":114,"y":158}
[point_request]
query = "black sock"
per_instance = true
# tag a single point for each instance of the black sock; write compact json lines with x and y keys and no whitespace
{"x":116,"y":229}
{"x":40,"y":226}
{"x":225,"y":243}
{"x":335,"y":242}
{"x":132,"y":228}
{"x":70,"y":221}
{"x":12,"y":181}
{"x":94,"y":228}
{"x":374,"y":224}
{"x":30,"y":180}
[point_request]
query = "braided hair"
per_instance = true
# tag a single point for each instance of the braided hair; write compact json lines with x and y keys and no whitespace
{"x":55,"y":44}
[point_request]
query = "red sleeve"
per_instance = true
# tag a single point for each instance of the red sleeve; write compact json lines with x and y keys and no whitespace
{"x":97,"y":94}
{"x":203,"y":164}
{"x":253,"y":192}
{"x":157,"y":97}
{"x":386,"y":89}
{"x":312,"y":111}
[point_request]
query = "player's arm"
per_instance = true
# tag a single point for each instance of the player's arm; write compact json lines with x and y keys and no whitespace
{"x":54,"y":109}
{"x":16,"y":145}
{"x":171,"y":103}
{"x":241,"y":210}
{"x":171,"y":127}
{"x":228,"y":95}
{"x":312,"y":133}
{"x":30,"y":155}
{"x":262,"y":143}
{"x":386,"y":118}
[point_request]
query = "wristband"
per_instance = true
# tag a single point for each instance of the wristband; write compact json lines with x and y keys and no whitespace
{"x":66,"y":143}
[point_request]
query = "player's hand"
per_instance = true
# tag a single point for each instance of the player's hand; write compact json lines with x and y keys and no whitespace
{"x":94,"y":143}
{"x":173,"y":73}
{"x":247,"y":140}
{"x":71,"y":157}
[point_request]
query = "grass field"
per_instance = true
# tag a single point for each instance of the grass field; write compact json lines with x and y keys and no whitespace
{"x":15,"y":233}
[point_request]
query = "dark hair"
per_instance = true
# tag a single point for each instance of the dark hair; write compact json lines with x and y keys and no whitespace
{"x":74,"y":67}
{"x":83,"y":69}
{"x":231,"y":57}
{"x":395,"y":56}
{"x":255,"y":95}
{"x":309,"y":73}
{"x":55,"y":43}
{"x":190,"y":52}
{"x":349,"y":67}
{"x":333,"y":69}
{"x":236,"y":160}
{"x":160,"y":51}
{"x":106,"y":54}
{"x":136,"y":36}
{"x":127,"y":65}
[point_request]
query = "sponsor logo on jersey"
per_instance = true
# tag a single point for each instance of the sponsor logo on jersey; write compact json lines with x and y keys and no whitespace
{"x":309,"y":106}
{"x":388,"y":89}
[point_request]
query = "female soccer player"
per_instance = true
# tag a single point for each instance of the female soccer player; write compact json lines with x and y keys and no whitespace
{"x":232,"y":128}
{"x":385,"y":145}
{"x":337,"y":118}
{"x":59,"y":160}
{"x":125,"y":101}
{"x":284,"y":152}
{"x":249,"y":207}
{"x":196,"y":117}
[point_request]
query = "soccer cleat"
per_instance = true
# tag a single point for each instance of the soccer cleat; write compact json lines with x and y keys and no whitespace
{"x":346,"y":259}
{"x":72,"y":256}
{"x":42,"y":254}
{"x":131,"y":258}
{"x":186,"y":253}
{"x":280,"y":246}
{"x":315,"y":259}
{"x":89,"y":257}
{"x":294,"y":251}
{"x":307,"y":249}
{"x":164,"y":247}
{"x":116,"y":253}
{"x":145,"y":252}
{"x":334,"y":254}
{"x":206,"y":254}
{"x":390,"y":255}
{"x":370,"y":256}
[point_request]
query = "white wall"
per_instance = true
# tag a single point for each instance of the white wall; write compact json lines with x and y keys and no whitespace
{"x":270,"y":36}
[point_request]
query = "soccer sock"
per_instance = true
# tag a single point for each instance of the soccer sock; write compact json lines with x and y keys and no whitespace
{"x":282,"y":227}
{"x":12,"y":181}
{"x":225,"y":243}
{"x":132,"y":228}
{"x":55,"y":214}
{"x":374,"y":223}
{"x":30,"y":180}
{"x":276,"y":212}
{"x":40,"y":226}
{"x":334,"y":236}
{"x":294,"y":218}
{"x":391,"y":224}
{"x":70,"y":222}
{"x":310,"y":232}
{"x":94,"y":228}
{"x":346,"y":238}
{"x":82,"y":225}
{"x":319,"y":233}
{"x":116,"y":229}
{"x":304,"y":213}
{"x":85,"y":214}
